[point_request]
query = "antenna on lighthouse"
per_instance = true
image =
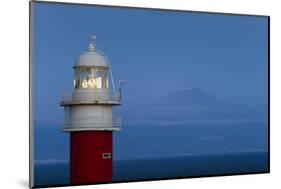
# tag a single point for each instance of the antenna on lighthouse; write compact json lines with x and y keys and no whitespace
{"x":93,"y":39}
{"x":92,"y":45}
{"x":121,"y":82}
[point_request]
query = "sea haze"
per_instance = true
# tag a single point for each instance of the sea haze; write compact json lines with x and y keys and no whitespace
{"x":204,"y":136}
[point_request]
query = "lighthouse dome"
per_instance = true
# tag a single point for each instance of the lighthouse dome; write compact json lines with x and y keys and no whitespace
{"x":91,"y":58}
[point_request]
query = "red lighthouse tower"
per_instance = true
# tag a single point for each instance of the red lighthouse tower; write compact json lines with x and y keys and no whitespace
{"x":88,"y":118}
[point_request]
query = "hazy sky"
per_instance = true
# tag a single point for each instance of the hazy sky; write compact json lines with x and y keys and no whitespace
{"x":157,"y":53}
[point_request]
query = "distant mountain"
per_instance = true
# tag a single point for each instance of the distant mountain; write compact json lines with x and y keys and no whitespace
{"x":191,"y":97}
{"x":193,"y":104}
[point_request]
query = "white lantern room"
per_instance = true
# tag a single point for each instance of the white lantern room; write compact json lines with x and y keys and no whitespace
{"x":89,"y":105}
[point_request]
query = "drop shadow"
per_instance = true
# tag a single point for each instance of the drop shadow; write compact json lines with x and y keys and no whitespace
{"x":24,"y":183}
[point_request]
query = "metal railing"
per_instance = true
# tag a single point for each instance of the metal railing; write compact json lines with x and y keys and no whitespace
{"x":89,"y":96}
{"x":116,"y":121}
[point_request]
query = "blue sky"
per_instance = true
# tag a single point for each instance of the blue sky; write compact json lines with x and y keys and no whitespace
{"x":157,"y":52}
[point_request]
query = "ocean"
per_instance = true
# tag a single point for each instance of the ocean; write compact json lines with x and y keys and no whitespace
{"x":160,"y":168}
{"x":157,"y":151}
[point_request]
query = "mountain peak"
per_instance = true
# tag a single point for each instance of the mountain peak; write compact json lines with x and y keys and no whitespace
{"x":189,"y":97}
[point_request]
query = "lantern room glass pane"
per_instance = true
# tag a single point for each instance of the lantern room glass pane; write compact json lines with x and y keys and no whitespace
{"x":91,"y":78}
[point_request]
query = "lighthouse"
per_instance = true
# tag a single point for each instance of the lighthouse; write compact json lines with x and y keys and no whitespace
{"x":88,"y":117}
